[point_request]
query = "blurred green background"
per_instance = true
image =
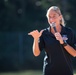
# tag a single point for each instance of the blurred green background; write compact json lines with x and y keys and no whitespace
{"x":17,"y":19}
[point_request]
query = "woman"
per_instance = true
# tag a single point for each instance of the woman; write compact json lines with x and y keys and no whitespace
{"x":58,"y":42}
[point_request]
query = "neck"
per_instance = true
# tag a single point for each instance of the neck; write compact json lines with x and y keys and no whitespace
{"x":58,"y":29}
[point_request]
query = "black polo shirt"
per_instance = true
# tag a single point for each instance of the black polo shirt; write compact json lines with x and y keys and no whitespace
{"x":57,"y":60}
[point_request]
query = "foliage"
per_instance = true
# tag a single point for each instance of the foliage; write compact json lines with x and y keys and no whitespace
{"x":21,"y":15}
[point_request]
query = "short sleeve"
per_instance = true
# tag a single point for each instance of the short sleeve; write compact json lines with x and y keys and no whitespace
{"x":73,"y":39}
{"x":41,"y":43}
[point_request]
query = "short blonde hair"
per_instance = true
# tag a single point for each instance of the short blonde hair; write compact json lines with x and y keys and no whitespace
{"x":57,"y":10}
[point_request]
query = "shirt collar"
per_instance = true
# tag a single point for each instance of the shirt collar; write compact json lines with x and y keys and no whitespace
{"x":63,"y":30}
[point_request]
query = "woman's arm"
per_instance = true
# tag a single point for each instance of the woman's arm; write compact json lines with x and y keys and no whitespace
{"x":68,"y":48}
{"x":36,"y":34}
{"x":36,"y":50}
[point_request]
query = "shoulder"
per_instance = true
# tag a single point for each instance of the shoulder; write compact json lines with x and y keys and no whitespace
{"x":46,"y":30}
{"x":70,"y":30}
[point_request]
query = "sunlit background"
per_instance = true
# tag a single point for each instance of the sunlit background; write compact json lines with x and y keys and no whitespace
{"x":17,"y":19}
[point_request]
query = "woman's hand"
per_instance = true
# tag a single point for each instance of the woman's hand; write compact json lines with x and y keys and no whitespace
{"x":35,"y":34}
{"x":59,"y":37}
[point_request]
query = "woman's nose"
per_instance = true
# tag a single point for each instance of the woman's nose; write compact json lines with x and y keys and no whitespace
{"x":51,"y":19}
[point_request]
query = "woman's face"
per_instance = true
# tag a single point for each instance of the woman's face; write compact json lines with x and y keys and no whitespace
{"x":54,"y":17}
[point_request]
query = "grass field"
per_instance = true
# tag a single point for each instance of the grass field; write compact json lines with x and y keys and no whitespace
{"x":31,"y":72}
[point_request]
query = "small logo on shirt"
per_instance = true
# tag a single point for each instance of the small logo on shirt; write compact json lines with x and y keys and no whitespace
{"x":65,"y":37}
